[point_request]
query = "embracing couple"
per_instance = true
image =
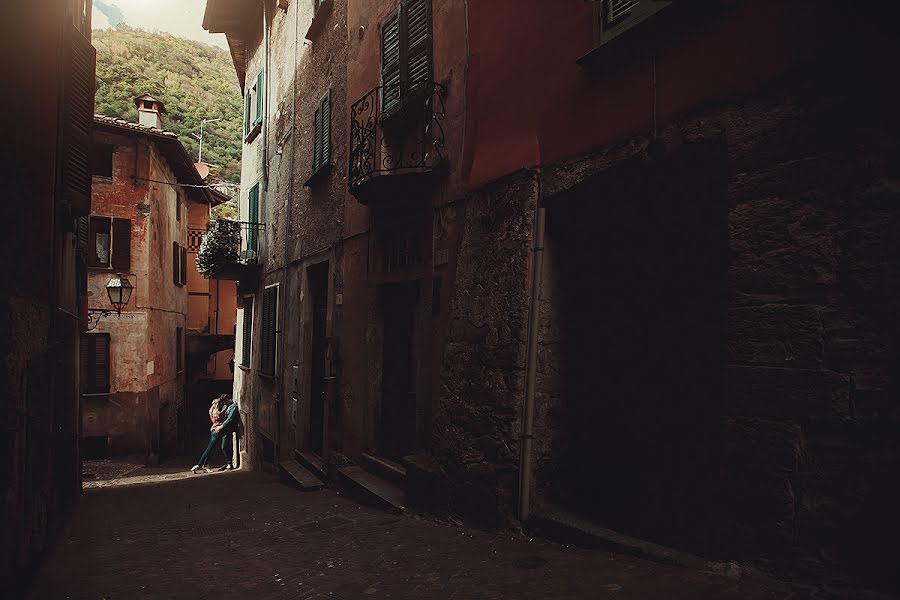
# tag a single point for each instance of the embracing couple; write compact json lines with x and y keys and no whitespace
{"x":225,"y":420}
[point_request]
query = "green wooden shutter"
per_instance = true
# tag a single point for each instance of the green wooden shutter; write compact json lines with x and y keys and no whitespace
{"x":260,"y":97}
{"x":268,"y":337}
{"x":317,"y":137}
{"x":390,"y":60}
{"x":417,"y":29}
{"x":246,"y":113}
{"x":253,"y":217}
{"x":325,"y":128}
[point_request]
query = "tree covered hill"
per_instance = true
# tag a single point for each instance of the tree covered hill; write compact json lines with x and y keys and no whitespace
{"x":195,"y":81}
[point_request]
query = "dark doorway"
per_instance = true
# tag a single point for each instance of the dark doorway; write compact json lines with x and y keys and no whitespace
{"x":397,"y":425}
{"x":318,"y":290}
{"x":638,"y":259}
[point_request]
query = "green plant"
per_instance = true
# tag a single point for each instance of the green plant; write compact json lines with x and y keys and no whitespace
{"x":219,"y":247}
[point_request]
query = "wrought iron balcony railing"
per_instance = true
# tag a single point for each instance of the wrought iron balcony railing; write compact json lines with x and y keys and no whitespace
{"x":226,"y":246}
{"x":396,"y":129}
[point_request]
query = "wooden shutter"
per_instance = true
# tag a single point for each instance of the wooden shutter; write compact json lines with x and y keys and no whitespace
{"x":246,"y":113}
{"x":183,"y":260}
{"x":176,"y":264}
{"x":317,"y":137}
{"x":267,"y":339}
{"x":97,"y":226}
{"x":390,"y":61}
{"x":83,"y":231}
{"x":95,"y":363}
{"x":260,"y":97}
{"x":417,"y":30}
{"x":325,"y":128}
{"x":121,"y":245}
{"x":248,"y":331}
{"x":253,"y":217}
{"x":79,"y":121}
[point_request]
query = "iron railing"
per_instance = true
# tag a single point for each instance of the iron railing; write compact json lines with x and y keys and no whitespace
{"x":226,"y":244}
{"x":406,"y":136}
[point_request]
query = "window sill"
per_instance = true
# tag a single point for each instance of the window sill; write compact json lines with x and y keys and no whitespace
{"x":266,"y":375}
{"x":101,"y":179}
{"x":245,"y":368}
{"x":101,"y":268}
{"x":318,"y":22}
{"x":254,"y":131}
{"x":94,"y":394}
{"x":318,"y":174}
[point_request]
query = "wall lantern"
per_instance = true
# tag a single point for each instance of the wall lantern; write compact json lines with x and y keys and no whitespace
{"x":119,"y":290}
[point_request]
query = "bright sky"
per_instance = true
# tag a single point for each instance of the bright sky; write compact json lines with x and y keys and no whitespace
{"x":183,"y":18}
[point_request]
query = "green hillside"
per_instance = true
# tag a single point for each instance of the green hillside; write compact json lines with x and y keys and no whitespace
{"x":194,"y":80}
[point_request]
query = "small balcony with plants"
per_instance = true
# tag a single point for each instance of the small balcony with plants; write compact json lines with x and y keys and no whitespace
{"x":230,"y":250}
{"x":396,"y":140}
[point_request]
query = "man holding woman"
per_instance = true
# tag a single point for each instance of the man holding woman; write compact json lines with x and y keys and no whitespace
{"x":224,"y":416}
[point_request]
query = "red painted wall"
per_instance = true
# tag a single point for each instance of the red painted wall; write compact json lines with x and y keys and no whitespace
{"x":531,"y":103}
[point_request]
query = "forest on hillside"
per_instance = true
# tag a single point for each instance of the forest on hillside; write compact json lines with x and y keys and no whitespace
{"x":195,"y":81}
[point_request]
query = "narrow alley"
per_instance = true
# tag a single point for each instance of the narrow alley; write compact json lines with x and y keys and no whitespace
{"x":162,"y":533}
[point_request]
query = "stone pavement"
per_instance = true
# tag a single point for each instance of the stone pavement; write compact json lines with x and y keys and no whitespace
{"x":166,"y":534}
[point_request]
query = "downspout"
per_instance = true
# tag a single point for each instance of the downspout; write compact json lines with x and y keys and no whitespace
{"x":531,"y":359}
{"x":265,"y":121}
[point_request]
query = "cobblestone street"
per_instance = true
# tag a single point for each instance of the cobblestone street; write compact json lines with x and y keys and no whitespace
{"x":163,"y":533}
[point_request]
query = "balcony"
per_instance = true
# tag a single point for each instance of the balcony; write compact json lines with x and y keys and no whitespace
{"x":229,"y":250}
{"x":396,"y":141}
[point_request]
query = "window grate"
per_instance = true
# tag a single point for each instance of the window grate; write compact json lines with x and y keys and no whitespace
{"x":619,"y":9}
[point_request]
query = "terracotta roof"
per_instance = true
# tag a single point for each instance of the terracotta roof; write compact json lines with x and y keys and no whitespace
{"x":181,"y":164}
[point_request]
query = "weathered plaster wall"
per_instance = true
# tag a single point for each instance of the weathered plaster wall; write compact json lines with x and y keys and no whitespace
{"x":143,"y":377}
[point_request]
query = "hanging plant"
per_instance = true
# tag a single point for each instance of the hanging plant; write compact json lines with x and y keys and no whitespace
{"x":219,"y":247}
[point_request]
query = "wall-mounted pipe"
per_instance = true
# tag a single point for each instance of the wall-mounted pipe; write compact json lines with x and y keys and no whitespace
{"x":534,"y":312}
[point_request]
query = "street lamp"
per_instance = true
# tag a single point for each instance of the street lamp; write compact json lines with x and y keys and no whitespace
{"x":119,"y":290}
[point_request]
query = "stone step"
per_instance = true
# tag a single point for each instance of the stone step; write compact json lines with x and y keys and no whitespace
{"x":371,"y":489}
{"x":296,"y":474}
{"x":312,"y":463}
{"x":385,"y":468}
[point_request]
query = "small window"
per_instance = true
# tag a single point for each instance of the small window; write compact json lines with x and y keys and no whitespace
{"x":247,"y":331}
{"x":179,"y":349}
{"x":322,"y":133}
{"x":269,"y":332}
{"x":254,"y":105}
{"x":109,"y":243}
{"x":178,"y":205}
{"x":95,"y":363}
{"x":101,"y":160}
{"x":179,"y":264}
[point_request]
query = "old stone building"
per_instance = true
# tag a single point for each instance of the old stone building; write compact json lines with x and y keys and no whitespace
{"x":628,"y":260}
{"x":44,"y":154}
{"x":147,"y":194}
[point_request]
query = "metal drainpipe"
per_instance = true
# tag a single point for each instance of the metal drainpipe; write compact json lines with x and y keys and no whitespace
{"x":531,"y":360}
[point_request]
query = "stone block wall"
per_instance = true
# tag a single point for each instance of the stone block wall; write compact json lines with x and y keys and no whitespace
{"x":477,"y":421}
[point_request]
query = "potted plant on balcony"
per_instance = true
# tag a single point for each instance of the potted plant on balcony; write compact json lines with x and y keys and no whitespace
{"x":219,"y":247}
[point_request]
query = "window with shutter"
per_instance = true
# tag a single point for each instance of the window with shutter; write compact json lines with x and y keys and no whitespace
{"x":260,"y":98}
{"x":95,"y":363}
{"x":406,"y":52}
{"x":247,"y":331}
{"x":253,"y":218}
{"x":121,"y":245}
{"x":322,"y":132}
{"x":183,"y":261}
{"x":101,"y":160}
{"x":268,"y":341}
{"x":176,"y":264}
{"x":99,"y":242}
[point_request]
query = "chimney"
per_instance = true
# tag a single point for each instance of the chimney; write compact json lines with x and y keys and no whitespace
{"x":150,"y":111}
